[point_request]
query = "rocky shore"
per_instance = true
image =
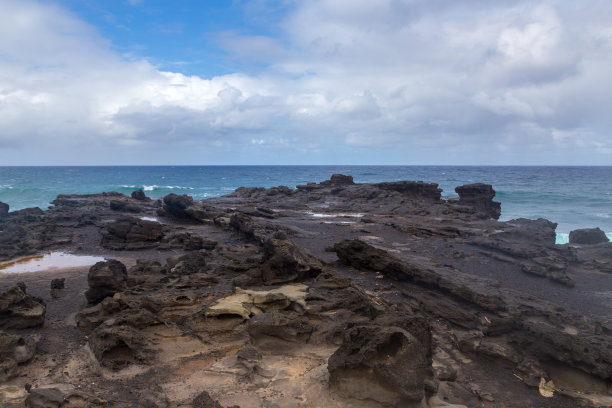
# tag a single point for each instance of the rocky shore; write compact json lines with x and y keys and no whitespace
{"x":334,"y":294}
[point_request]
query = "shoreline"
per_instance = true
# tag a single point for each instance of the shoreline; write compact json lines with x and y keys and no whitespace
{"x":255,"y":299}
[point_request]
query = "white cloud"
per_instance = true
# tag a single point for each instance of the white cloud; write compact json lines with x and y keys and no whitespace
{"x":407,"y":80}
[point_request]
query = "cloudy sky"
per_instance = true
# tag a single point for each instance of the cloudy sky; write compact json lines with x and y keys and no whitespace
{"x":305,"y":82}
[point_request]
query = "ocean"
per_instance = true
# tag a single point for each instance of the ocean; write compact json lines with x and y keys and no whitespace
{"x":573,"y":197}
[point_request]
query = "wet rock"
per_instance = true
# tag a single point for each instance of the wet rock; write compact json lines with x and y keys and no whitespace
{"x":18,"y":310}
{"x":105,"y":279}
{"x":386,"y":364}
{"x":129,"y":233}
{"x":4,"y":210}
{"x":139,"y":195}
{"x":480,"y":197}
{"x":14,"y":350}
{"x":285,"y":262}
{"x":588,"y":236}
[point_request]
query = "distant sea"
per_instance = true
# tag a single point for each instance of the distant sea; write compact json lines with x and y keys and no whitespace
{"x":573,"y":197}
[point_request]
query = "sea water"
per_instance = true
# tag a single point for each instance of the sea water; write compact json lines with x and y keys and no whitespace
{"x":573,"y":197}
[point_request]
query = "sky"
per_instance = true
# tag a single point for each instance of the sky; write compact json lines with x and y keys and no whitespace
{"x":408,"y":82}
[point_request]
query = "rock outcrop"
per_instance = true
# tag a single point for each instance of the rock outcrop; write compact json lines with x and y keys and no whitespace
{"x":480,"y":197}
{"x":129,"y":233}
{"x":105,"y":279}
{"x":588,"y":236}
{"x":19,"y":310}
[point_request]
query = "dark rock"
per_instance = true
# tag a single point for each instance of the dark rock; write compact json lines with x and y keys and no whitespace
{"x":121,"y":205}
{"x":285,"y":262}
{"x":58,"y":283}
{"x":14,"y":350}
{"x":413,"y":189}
{"x":132,"y":233}
{"x":204,"y":400}
{"x":338,"y":180}
{"x":116,"y":347}
{"x":386,"y":364}
{"x":19,"y":310}
{"x":139,"y":195}
{"x":188,"y":241}
{"x":105,"y":279}
{"x":588,"y":236}
{"x":480,"y":197}
{"x":188,"y":264}
{"x":4,"y":210}
{"x":176,"y":206}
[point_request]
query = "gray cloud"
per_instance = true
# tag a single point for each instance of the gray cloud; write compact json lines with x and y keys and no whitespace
{"x":392,"y":80}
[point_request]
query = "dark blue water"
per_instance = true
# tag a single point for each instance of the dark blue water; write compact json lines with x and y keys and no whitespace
{"x":574,"y":197}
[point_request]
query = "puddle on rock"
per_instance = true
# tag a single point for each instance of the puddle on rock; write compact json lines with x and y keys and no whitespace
{"x":52,"y":260}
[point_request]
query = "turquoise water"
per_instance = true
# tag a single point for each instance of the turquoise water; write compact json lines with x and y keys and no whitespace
{"x":573,"y":197}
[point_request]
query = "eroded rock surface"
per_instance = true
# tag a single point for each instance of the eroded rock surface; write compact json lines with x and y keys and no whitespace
{"x":338,"y":294}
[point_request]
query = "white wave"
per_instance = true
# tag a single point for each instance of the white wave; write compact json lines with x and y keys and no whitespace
{"x":602,"y":215}
{"x":564,"y":238}
{"x":6,"y":187}
{"x":156,"y":187}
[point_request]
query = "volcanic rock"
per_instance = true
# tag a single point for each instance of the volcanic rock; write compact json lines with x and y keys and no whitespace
{"x":139,"y":195}
{"x":105,"y":279}
{"x":19,"y":310}
{"x":132,"y":233}
{"x":285,"y":262}
{"x":386,"y":364}
{"x":480,"y":197}
{"x":587,"y":236}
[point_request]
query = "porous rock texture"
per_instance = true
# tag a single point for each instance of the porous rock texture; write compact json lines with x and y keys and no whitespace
{"x":335,"y":294}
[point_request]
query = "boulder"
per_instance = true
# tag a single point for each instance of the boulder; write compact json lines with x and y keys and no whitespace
{"x":285,"y":262}
{"x":386,"y":364}
{"x":587,"y":236}
{"x":18,"y":310}
{"x":132,"y":233}
{"x":176,"y":206}
{"x":480,"y":197}
{"x":105,"y":279}
{"x":58,"y":283}
{"x":139,"y":195}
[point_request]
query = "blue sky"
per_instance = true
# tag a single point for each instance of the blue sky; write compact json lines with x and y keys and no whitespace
{"x":305,"y":82}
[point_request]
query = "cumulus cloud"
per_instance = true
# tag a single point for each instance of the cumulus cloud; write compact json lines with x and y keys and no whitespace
{"x":402,"y":81}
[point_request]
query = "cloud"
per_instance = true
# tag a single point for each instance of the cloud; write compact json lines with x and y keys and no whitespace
{"x":393,"y":80}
